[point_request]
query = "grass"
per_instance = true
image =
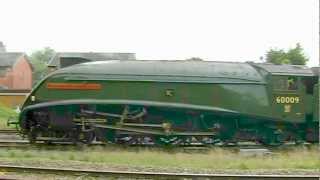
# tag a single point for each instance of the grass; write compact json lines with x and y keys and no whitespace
{"x":5,"y":113}
{"x":306,"y":159}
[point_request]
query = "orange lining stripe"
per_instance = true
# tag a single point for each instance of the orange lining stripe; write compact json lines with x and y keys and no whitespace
{"x":74,"y":86}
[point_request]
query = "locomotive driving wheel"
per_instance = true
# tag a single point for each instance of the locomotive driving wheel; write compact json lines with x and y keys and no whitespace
{"x":85,"y":137}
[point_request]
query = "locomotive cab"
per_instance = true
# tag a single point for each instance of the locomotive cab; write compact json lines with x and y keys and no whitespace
{"x":288,"y":98}
{"x":294,"y":95}
{"x":292,"y":91}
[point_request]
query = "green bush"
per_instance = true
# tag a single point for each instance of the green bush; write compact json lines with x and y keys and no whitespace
{"x":5,"y":113}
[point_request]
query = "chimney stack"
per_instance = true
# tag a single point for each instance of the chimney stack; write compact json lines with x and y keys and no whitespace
{"x":2,"y":47}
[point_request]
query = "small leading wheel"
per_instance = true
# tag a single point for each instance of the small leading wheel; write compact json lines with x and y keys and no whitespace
{"x":32,"y":135}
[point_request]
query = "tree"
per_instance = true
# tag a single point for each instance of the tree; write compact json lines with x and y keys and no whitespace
{"x":292,"y":56}
{"x":39,"y":60}
{"x":276,"y":56}
{"x":296,"y":55}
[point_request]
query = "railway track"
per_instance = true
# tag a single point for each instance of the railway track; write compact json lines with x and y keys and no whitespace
{"x":245,"y":150}
{"x":17,"y":144}
{"x":152,"y":175}
{"x":8,"y":131}
{"x":10,"y":138}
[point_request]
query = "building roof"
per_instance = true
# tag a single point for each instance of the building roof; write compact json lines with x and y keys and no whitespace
{"x":161,"y":70}
{"x":285,"y":69}
{"x":91,"y":56}
{"x":8,"y":59}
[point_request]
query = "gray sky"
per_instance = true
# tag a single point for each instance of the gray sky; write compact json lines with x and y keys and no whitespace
{"x":220,"y":30}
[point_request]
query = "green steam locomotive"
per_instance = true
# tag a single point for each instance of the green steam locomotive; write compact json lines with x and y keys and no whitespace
{"x":174,"y":103}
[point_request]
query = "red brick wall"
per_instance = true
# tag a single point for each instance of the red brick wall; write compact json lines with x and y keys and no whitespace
{"x":22,"y":74}
{"x":19,"y":77}
{"x":7,"y":80}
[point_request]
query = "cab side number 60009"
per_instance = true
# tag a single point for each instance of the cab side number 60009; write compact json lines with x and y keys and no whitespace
{"x":287,"y":100}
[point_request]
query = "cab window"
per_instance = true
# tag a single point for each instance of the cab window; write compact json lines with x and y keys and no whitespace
{"x":292,"y":83}
{"x":285,"y":83}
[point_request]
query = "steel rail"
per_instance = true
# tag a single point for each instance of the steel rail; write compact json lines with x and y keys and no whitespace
{"x":18,"y":142}
{"x":9,"y":131}
{"x":157,"y":175}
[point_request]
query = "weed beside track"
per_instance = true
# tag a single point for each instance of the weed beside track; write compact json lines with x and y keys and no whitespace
{"x":217,"y":158}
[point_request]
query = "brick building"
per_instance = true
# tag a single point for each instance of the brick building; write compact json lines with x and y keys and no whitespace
{"x":15,"y":77}
{"x":15,"y":70}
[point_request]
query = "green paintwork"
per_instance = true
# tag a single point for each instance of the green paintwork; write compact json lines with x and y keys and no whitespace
{"x":236,"y":95}
{"x":226,"y":96}
{"x":165,"y":71}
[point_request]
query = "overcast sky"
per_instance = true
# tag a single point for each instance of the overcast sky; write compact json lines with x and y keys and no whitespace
{"x":220,"y":30}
